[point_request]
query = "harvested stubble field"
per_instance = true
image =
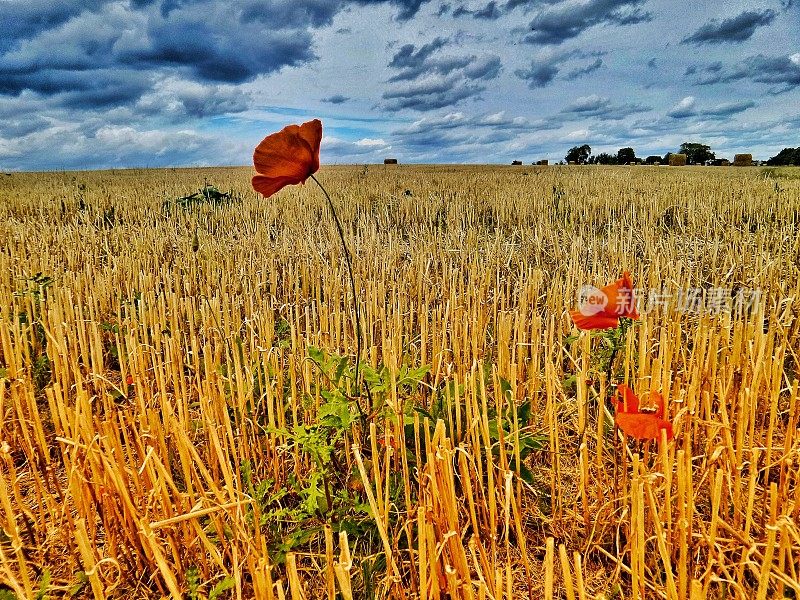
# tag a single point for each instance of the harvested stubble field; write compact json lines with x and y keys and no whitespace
{"x":179,"y":417}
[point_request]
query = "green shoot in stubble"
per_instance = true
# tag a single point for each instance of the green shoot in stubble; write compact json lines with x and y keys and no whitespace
{"x":356,"y":311}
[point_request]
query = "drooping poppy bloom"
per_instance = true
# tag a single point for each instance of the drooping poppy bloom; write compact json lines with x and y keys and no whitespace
{"x":601,"y":308}
{"x":635,"y":421}
{"x":287,"y":157}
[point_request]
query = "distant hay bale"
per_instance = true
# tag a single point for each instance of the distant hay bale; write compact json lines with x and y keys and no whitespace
{"x":543,"y":163}
{"x":572,"y":162}
{"x":677,"y":160}
{"x":516,"y":163}
{"x":390,"y":161}
{"x":743,"y":160}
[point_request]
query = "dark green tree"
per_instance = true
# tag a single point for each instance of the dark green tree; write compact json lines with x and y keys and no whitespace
{"x":579,"y":154}
{"x":696,"y":154}
{"x":786,"y":157}
{"x":626,"y":156}
{"x":604,"y":158}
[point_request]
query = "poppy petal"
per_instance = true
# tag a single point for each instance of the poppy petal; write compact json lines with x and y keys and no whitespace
{"x":643,"y":426}
{"x":284,"y":154}
{"x":271,"y":185}
{"x":601,"y":320}
{"x":311,"y":132}
{"x":621,"y":301}
{"x":625,"y":400}
{"x":292,"y":151}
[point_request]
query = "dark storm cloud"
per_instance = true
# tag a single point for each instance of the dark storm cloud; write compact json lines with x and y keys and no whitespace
{"x":193,"y":44}
{"x":291,"y":13}
{"x":20,"y":127}
{"x":538,"y":75}
{"x":410,"y":57}
{"x":336,"y":99}
{"x":177,"y":99}
{"x":602,"y":108}
{"x":87,"y":89}
{"x":527,"y":4}
{"x":485,"y":68}
{"x":705,"y":74}
{"x":231,"y":42}
{"x":780,"y":70}
{"x":545,"y":68}
{"x":430,"y":94}
{"x":734,"y":29}
{"x":427,"y":80}
{"x":490,"y":12}
{"x":564,"y":21}
{"x":283,"y":14}
{"x":25,"y":19}
{"x":470,"y":67}
{"x":443,"y":65}
{"x":112,"y":56}
{"x":783,"y":72}
{"x":581,"y":71}
{"x":406,"y":8}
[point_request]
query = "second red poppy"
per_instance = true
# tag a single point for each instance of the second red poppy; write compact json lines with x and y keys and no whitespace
{"x":639,"y":423}
{"x":602,"y":308}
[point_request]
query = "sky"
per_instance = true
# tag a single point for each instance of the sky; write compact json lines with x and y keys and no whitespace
{"x":149,"y":83}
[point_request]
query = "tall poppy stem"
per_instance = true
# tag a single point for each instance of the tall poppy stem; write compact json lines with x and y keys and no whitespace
{"x":356,"y":311}
{"x":623,"y":335}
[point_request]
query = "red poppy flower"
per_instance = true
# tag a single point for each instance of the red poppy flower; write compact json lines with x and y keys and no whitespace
{"x":287,"y":157}
{"x":602,"y":308}
{"x":642,"y":424}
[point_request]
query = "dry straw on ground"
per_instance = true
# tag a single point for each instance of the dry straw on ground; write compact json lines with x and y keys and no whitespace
{"x":170,"y":351}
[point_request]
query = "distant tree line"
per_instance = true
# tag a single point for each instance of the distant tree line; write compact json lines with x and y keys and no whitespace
{"x":696,"y":154}
{"x":786,"y":157}
{"x":582,"y":155}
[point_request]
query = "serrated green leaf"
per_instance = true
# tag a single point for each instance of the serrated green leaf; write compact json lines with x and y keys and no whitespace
{"x":524,"y":413}
{"x":223,"y":586}
{"x":505,"y":387}
{"x":341,"y":368}
{"x":44,"y":584}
